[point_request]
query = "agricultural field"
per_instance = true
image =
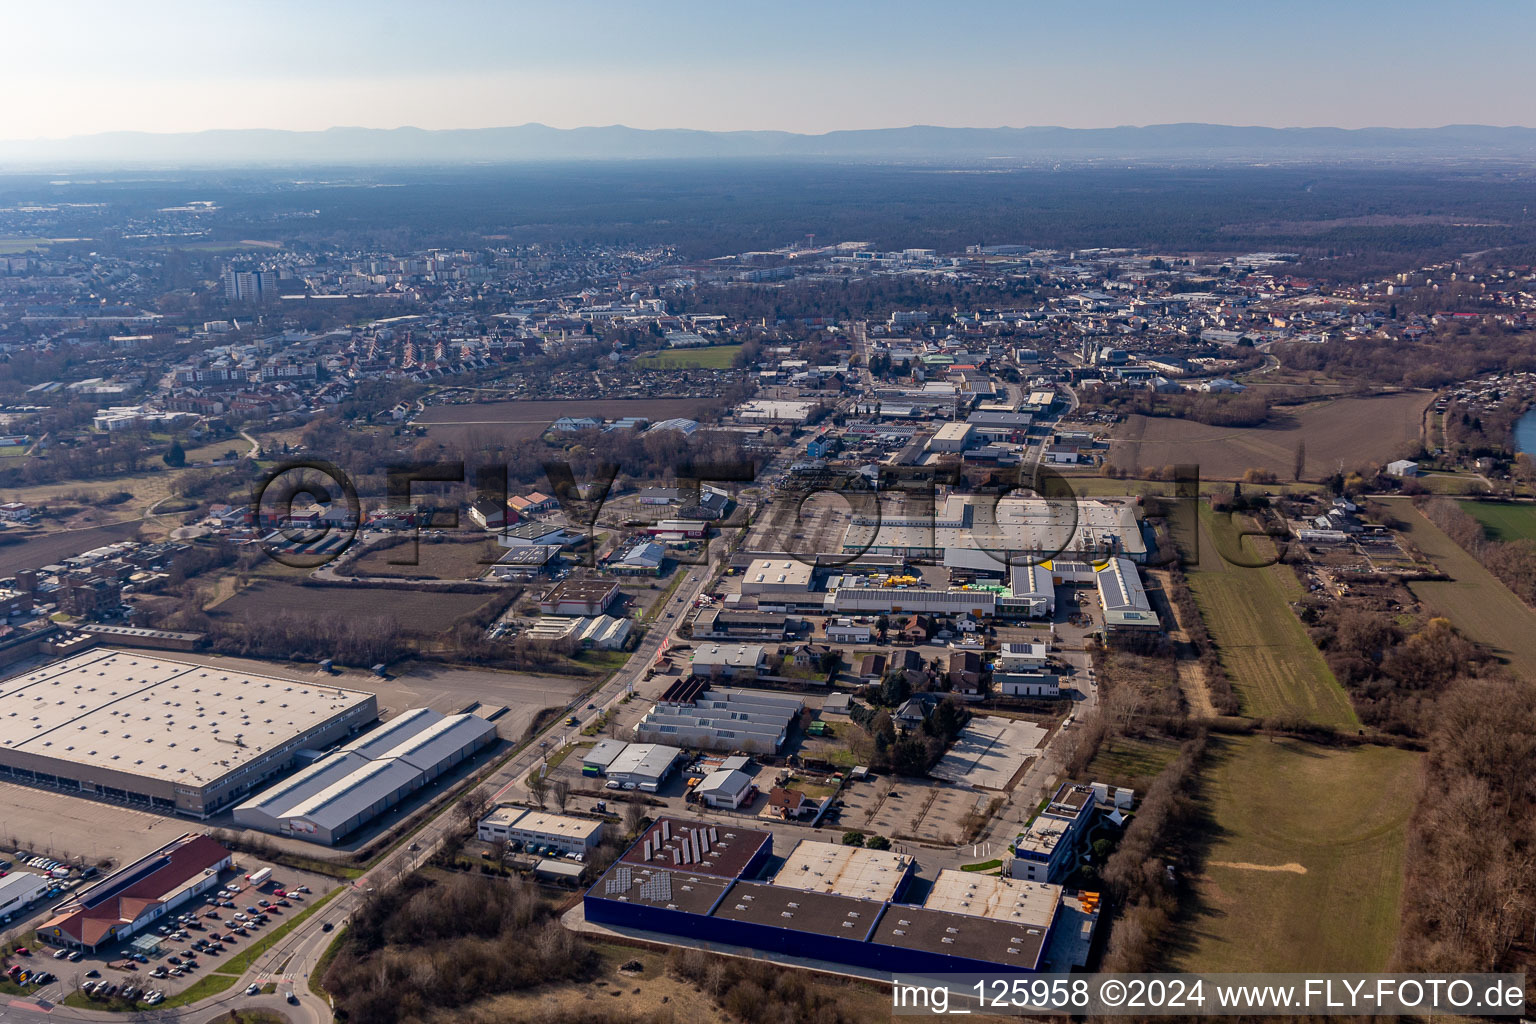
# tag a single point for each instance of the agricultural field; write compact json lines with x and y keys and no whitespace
{"x":1504,"y":520}
{"x":44,"y":548}
{"x":715,"y":357}
{"x":1349,"y":430}
{"x":420,"y":613}
{"x":1473,"y":598}
{"x":1275,"y":668}
{"x":513,"y":421}
{"x":1090,"y":485}
{"x":456,"y":559}
{"x":1306,"y":868}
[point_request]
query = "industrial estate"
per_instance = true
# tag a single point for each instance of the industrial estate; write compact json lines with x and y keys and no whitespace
{"x":654,"y":576}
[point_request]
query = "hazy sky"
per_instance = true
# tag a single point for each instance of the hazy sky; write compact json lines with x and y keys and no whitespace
{"x":76,"y":68}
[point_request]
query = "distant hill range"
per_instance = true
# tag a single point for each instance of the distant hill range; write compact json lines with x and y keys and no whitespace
{"x":1155,"y":144}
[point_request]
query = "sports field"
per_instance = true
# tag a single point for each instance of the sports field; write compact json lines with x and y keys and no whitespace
{"x":716,"y":357}
{"x":1275,"y":668}
{"x":1348,"y":430}
{"x":1473,"y":598}
{"x":1306,"y":868}
{"x":1504,"y":520}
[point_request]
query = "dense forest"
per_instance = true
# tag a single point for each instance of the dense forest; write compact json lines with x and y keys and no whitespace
{"x":707,"y":209}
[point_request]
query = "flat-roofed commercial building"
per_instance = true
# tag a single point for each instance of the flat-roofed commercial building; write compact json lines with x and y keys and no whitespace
{"x":149,"y":889}
{"x":845,"y":870}
{"x":951,"y":437}
{"x":1013,"y":529}
{"x":777,"y":577}
{"x":995,"y":896}
{"x":579,"y":597}
{"x":565,"y":833}
{"x":704,"y":888}
{"x":353,"y":785}
{"x":597,"y":760}
{"x":723,"y":851}
{"x":165,"y":735}
{"x":1046,"y":851}
{"x":729,"y":660}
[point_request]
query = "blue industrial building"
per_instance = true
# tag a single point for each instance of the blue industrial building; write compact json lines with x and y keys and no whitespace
{"x":686,"y":880}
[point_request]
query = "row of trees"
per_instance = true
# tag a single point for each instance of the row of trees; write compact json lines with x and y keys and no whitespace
{"x":1246,"y":409}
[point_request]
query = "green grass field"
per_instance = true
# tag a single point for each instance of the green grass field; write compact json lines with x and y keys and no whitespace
{"x":14,"y":246}
{"x":1306,"y":870}
{"x":1473,"y":598}
{"x":1128,"y":761}
{"x":1504,"y":520}
{"x":1275,"y":667}
{"x":716,"y":357}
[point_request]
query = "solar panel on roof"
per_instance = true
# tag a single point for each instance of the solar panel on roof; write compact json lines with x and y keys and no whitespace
{"x":619,"y":881}
{"x":658,"y":888}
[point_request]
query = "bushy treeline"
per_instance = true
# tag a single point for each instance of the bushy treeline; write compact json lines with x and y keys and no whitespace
{"x":1247,"y":409}
{"x":349,"y":639}
{"x":1217,"y":682}
{"x":114,"y":455}
{"x":757,"y":992}
{"x":1440,"y":358}
{"x":426,"y":945}
{"x":1137,"y":874}
{"x":1394,"y":673}
{"x":1470,"y":897}
{"x":1512,"y":561}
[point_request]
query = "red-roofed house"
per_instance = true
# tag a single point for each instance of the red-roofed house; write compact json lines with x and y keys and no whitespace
{"x":145,"y":891}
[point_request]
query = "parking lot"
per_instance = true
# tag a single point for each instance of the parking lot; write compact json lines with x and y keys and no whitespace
{"x":917,"y":810}
{"x":191,"y":940}
{"x":990,"y":752}
{"x":73,"y":828}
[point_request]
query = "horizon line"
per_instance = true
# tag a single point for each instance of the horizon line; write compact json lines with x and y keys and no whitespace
{"x":767,"y":131}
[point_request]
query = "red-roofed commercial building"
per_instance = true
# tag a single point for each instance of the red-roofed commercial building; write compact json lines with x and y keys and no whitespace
{"x":145,"y":891}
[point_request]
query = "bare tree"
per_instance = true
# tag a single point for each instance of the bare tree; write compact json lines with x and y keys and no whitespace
{"x":1299,"y":466}
{"x":474,"y":805}
{"x":538,"y":787}
{"x":634,"y":818}
{"x":562,"y":793}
